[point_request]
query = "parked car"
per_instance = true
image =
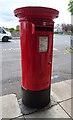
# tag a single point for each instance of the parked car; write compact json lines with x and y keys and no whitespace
{"x":4,"y":35}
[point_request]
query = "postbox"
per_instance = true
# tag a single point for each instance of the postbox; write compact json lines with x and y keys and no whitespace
{"x":36,"y":39}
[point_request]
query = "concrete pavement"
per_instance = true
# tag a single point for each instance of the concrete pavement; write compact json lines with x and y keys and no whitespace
{"x":62,"y":95}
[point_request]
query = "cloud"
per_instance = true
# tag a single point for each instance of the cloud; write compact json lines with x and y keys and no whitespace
{"x":7,"y":7}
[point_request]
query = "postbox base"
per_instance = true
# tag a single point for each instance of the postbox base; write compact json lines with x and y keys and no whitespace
{"x":36,"y":99}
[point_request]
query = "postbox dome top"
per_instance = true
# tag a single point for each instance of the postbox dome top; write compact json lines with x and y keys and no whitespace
{"x":36,"y":12}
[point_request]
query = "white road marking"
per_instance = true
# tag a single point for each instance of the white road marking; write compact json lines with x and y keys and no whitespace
{"x":11,"y":49}
{"x":55,"y":49}
{"x":55,"y":76}
{"x":65,"y":53}
{"x":4,"y":49}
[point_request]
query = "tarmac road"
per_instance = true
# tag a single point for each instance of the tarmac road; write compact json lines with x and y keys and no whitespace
{"x":10,"y":64}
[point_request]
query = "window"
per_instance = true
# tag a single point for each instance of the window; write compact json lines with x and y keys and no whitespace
{"x":3,"y":32}
{"x":0,"y":30}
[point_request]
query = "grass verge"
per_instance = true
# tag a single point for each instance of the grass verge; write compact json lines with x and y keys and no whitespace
{"x":70,"y":50}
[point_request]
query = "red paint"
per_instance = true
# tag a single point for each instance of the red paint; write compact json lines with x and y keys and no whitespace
{"x":36,"y":66}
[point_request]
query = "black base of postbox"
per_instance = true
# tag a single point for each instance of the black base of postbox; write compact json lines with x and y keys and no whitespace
{"x":36,"y":99}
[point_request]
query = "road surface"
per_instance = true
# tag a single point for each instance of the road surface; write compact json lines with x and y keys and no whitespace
{"x":10,"y":64}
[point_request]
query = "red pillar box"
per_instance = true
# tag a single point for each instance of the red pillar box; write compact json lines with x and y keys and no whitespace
{"x":36,"y":37}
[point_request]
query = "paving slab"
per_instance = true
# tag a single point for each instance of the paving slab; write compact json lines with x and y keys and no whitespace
{"x":62,"y":90}
{"x":26,"y":110}
{"x":70,"y":83}
{"x":53,"y":112}
{"x":10,"y":106}
{"x":0,"y":108}
{"x":68,"y":106}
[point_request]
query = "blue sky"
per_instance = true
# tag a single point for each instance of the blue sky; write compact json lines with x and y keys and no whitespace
{"x":7,"y":18}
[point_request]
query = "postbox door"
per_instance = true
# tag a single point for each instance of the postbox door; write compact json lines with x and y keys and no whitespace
{"x":42,"y":60}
